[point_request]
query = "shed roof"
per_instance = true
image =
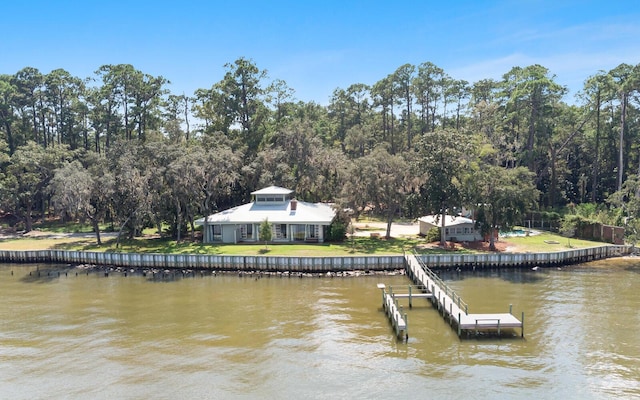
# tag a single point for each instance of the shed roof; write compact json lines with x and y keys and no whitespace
{"x":449,"y":220}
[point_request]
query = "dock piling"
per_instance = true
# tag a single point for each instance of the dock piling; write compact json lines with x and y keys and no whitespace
{"x":406,"y":329}
{"x":410,"y":303}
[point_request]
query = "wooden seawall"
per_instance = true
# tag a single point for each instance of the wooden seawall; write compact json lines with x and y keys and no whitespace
{"x":312,"y":264}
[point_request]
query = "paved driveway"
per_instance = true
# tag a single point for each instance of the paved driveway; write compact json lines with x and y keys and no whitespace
{"x":398,"y":229}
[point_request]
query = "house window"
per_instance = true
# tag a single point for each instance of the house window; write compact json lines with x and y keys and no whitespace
{"x":246,"y":231}
{"x":217,"y":232}
{"x":446,"y":231}
{"x":280,"y":231}
{"x":467,"y":230}
{"x":313,"y":231}
{"x":298,"y":232}
{"x":458,"y":230}
{"x":270,"y":198}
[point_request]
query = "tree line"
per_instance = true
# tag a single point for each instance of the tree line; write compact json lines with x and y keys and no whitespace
{"x":119,"y":146}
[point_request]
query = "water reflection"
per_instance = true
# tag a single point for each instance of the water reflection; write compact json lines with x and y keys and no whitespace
{"x":47,"y":273}
{"x":229,"y":336}
{"x":633,"y":268}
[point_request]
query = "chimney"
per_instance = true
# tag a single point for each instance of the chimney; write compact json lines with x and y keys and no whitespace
{"x":294,"y":204}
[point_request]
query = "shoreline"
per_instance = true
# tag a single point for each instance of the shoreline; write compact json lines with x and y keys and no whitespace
{"x":178,"y":273}
{"x":312,"y":265}
{"x":57,"y":270}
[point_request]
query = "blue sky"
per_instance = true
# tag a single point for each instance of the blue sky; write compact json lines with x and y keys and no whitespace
{"x":318,"y":46}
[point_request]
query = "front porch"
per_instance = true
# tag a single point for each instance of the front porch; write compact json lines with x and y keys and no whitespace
{"x":250,"y":233}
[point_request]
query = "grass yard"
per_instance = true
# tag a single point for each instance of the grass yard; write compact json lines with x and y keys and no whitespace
{"x":46,"y":243}
{"x":56,"y":226}
{"x":363,"y":245}
{"x":548,"y":242}
{"x":359,"y":246}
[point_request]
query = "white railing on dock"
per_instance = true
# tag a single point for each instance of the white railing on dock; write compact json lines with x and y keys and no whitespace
{"x":394,"y":312}
{"x":436,"y":280}
{"x":434,"y":284}
{"x":451,"y":305}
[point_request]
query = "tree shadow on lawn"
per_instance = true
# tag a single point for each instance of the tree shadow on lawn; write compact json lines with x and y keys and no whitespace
{"x":363,"y":245}
{"x":164,"y":245}
{"x":83,"y":245}
{"x":381,"y":245}
{"x":149,"y":245}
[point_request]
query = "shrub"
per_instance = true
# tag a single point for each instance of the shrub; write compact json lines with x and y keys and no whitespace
{"x":433,"y":235}
{"x":337,"y":231}
{"x":338,"y":228}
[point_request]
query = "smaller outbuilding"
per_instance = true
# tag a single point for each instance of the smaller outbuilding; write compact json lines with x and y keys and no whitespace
{"x":456,"y":228}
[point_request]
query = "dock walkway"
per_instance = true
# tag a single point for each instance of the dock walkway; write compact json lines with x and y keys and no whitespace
{"x":394,"y":312}
{"x":453,"y":308}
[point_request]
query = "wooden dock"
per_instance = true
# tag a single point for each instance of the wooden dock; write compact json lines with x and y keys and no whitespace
{"x":394,"y":310}
{"x":453,"y":309}
{"x":395,"y":313}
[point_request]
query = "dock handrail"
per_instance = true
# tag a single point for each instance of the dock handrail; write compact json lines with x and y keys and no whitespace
{"x":488,"y":319}
{"x":394,"y":311}
{"x":443,"y":286}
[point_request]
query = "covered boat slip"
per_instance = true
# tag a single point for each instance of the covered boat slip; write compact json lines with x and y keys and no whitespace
{"x":449,"y":304}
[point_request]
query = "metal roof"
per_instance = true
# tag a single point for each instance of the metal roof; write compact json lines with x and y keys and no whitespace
{"x":273,"y":190}
{"x":278,"y":213}
{"x":449,"y":220}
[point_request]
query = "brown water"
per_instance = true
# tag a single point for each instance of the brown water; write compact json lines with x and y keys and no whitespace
{"x":231,"y":337}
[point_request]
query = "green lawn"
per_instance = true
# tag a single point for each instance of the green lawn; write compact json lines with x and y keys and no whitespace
{"x":56,"y":226}
{"x":548,"y":242}
{"x":360,"y":246}
{"x":544,"y":242}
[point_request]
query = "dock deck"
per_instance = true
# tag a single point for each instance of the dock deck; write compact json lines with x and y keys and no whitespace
{"x":450,"y":304}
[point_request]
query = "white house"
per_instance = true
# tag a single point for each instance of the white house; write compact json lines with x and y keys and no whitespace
{"x":456,"y":228}
{"x":291,"y":220}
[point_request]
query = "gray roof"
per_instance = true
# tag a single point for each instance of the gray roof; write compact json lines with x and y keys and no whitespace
{"x":449,"y":220}
{"x":278,"y":213}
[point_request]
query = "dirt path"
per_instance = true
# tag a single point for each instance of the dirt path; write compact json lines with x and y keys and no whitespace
{"x":398,"y":229}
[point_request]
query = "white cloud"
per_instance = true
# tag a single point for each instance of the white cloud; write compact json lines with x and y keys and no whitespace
{"x":573,"y":53}
{"x":571,"y":69}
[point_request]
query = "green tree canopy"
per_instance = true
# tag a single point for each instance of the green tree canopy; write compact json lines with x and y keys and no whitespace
{"x":442,"y":163}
